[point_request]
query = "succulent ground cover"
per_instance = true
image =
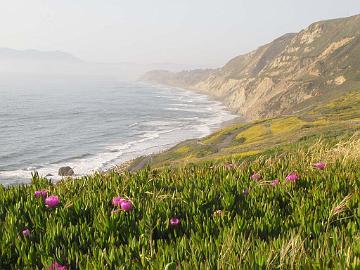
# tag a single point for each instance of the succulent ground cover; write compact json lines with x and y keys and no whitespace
{"x":288,"y":209}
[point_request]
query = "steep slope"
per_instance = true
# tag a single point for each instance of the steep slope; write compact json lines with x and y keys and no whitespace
{"x":284,"y":76}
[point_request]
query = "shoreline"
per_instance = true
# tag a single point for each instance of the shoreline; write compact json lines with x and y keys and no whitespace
{"x":124,"y":166}
{"x":224,"y":116}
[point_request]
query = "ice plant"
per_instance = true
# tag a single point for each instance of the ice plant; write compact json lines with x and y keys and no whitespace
{"x":292,"y":177}
{"x":41,"y":193}
{"x":126,"y":205}
{"x":255,"y":176}
{"x":246,"y":191}
{"x":57,"y":266}
{"x":52,"y":201}
{"x":116,"y":201}
{"x":174,"y":221}
{"x":275,"y":182}
{"x":26,"y":232}
{"x":37,"y":193}
{"x":320,"y":165}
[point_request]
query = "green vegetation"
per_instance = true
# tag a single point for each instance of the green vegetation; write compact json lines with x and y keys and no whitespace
{"x":227,"y":220}
{"x":310,"y":223}
{"x":331,"y":121}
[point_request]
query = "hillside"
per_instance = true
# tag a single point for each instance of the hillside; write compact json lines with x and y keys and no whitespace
{"x":294,"y":207}
{"x":330,"y":120}
{"x":280,"y":191}
{"x":285,"y":76}
{"x":276,"y":193}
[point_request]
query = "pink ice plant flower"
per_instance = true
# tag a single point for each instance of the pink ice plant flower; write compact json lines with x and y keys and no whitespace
{"x":41,"y":193}
{"x":174,"y":221}
{"x":292,"y":177}
{"x":255,"y":176}
{"x":57,"y":266}
{"x":116,"y":201}
{"x":320,"y":165}
{"x":126,"y":205}
{"x":52,"y":201}
{"x":26,"y":232}
{"x":246,"y":191}
{"x":275,"y":182}
{"x":37,"y":193}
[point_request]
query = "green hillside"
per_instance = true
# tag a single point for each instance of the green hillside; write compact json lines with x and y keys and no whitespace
{"x":231,"y":213}
{"x":332,"y":120}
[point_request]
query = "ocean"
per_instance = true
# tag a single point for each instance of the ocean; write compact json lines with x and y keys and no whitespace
{"x":93,"y":124}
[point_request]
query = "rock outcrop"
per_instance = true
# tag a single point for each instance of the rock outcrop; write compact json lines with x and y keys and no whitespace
{"x":66,"y":171}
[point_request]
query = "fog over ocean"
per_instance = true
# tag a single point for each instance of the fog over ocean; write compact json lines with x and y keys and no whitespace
{"x":92,"y":123}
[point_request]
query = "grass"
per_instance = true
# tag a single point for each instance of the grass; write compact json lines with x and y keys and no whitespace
{"x":286,"y":125}
{"x":311,"y":223}
{"x":183,"y":149}
{"x":253,"y":133}
{"x":333,"y":119}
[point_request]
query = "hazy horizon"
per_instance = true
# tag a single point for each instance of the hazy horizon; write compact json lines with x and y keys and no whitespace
{"x":204,"y":33}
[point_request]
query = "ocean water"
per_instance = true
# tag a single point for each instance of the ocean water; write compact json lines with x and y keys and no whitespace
{"x":92,"y":124}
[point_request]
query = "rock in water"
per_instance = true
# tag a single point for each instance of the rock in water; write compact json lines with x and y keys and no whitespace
{"x":66,"y":171}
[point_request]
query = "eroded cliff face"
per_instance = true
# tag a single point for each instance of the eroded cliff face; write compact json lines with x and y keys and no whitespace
{"x":285,"y":75}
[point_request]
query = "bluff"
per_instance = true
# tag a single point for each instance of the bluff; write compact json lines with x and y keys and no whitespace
{"x":287,"y":75}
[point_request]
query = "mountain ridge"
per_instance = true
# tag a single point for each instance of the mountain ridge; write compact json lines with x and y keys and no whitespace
{"x":31,"y":54}
{"x":286,"y":75}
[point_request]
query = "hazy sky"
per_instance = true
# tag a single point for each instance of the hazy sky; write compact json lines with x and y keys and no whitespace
{"x":207,"y":32}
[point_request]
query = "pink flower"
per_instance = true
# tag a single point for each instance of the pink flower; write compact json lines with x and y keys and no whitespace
{"x":116,"y":201}
{"x":57,"y":266}
{"x":52,"y":201}
{"x":320,"y":165}
{"x":174,"y":221}
{"x":42,"y":193}
{"x":292,"y":177}
{"x":255,"y":176}
{"x":37,"y":193}
{"x":26,"y":232}
{"x":246,"y":191}
{"x":126,"y":205}
{"x":275,"y":182}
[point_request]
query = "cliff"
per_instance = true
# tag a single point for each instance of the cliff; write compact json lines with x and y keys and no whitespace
{"x":289,"y":74}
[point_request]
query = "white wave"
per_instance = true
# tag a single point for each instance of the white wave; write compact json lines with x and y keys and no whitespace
{"x":134,"y":124}
{"x":196,"y":110}
{"x":167,"y":134}
{"x":159,"y":123}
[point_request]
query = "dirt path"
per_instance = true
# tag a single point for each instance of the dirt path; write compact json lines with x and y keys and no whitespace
{"x":141,"y":164}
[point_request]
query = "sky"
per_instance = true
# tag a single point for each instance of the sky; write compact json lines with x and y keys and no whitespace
{"x":190,"y":32}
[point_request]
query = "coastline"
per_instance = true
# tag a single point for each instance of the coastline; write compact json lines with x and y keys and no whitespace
{"x":219,"y":118}
{"x":129,"y":166}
